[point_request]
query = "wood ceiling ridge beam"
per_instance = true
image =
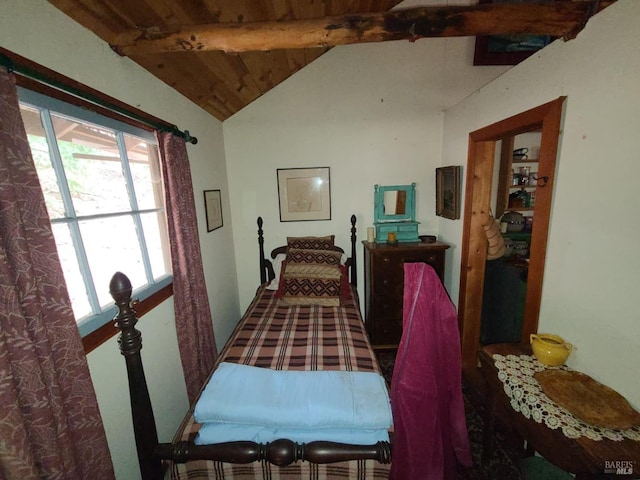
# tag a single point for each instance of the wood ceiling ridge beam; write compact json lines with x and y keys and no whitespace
{"x":562,"y":19}
{"x":594,"y":7}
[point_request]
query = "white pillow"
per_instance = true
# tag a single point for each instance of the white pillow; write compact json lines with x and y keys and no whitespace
{"x":277,"y":266}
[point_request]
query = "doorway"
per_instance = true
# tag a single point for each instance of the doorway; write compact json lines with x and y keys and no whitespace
{"x":513,"y":198}
{"x":545,"y":118}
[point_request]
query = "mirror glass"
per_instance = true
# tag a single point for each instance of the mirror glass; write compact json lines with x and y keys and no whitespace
{"x":395,"y":202}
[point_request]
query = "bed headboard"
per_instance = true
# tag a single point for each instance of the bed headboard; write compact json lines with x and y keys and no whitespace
{"x":266,"y":267}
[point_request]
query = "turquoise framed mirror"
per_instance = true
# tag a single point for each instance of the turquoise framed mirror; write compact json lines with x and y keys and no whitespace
{"x":395,"y":203}
{"x":395,"y":211}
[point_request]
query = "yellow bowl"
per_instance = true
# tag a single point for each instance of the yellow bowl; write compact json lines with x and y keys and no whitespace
{"x":550,"y":349}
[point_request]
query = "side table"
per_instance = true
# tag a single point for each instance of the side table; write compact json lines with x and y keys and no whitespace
{"x":582,"y":456}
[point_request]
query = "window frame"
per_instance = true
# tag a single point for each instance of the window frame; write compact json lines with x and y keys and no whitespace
{"x":95,"y":328}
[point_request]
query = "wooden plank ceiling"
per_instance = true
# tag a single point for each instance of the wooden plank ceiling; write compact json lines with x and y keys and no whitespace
{"x":214,"y":51}
{"x":219,"y":82}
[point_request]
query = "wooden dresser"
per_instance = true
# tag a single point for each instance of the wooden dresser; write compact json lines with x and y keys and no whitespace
{"x":384,"y":285}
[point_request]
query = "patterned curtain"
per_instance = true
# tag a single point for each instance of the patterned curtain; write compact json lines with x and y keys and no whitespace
{"x":50,"y":425}
{"x":193,"y":317}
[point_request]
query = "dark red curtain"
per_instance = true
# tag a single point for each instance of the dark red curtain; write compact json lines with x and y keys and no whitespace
{"x":193,"y":317}
{"x":50,"y":425}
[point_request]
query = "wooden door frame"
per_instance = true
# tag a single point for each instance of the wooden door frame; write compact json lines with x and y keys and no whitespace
{"x":480,"y":163}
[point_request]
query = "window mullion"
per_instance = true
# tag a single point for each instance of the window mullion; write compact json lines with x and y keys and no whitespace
{"x":85,"y":269}
{"x":70,"y":213}
{"x":56,"y":161}
{"x":133,"y":201}
{"x":82,"y":218}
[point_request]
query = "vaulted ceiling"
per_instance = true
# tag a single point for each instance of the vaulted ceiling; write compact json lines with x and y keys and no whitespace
{"x":223,"y":54}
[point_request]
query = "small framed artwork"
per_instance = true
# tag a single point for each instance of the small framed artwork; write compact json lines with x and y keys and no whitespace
{"x":448,"y":192}
{"x":304,"y":194}
{"x":507,"y":49}
{"x":213,"y":209}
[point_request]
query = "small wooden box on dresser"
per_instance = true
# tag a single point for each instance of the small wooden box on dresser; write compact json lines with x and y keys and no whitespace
{"x":384,"y":285}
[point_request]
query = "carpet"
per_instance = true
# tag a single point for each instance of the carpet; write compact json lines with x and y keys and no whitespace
{"x":503,"y":463}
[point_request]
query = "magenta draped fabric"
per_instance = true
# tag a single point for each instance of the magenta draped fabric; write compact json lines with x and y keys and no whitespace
{"x":193,"y":317}
{"x":430,"y":430}
{"x":50,"y":425}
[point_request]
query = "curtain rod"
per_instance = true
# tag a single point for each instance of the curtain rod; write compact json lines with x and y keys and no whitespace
{"x":31,"y":73}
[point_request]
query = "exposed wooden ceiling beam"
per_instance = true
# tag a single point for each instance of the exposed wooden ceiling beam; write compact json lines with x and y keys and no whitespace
{"x":559,"y":19}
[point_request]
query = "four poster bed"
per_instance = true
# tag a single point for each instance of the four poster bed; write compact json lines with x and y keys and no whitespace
{"x":292,"y":328}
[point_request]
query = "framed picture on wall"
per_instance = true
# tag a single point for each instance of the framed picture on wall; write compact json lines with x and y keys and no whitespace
{"x":304,"y":194}
{"x":448,"y":192}
{"x":507,"y":49}
{"x":213,"y":209}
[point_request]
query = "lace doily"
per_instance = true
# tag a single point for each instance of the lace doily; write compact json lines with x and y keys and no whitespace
{"x":516,"y":374}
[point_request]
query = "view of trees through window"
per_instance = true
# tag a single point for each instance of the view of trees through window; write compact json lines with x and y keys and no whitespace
{"x":103,"y":192}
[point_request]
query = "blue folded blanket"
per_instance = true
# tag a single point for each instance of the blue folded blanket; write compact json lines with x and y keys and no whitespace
{"x":233,"y":432}
{"x":243,"y":394}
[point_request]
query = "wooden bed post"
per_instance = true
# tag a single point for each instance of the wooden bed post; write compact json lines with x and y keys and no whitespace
{"x":130,"y":341}
{"x":354,"y":265}
{"x":263,"y":271}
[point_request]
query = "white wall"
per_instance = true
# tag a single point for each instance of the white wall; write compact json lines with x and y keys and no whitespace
{"x":372,"y":113}
{"x":591,"y":274}
{"x":38,"y":31}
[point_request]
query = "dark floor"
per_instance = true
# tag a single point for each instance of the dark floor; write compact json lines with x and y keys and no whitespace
{"x":503,"y":462}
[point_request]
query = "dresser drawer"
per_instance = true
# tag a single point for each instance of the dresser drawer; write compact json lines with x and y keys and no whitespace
{"x":388,"y":331}
{"x":389,"y":283}
{"x":388,"y":268}
{"x":405,"y":231}
{"x":387,"y":306}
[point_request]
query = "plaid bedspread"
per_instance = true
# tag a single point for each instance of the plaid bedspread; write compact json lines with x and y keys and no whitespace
{"x":290,"y":338}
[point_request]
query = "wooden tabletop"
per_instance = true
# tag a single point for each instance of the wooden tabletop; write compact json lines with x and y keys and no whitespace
{"x":582,"y":456}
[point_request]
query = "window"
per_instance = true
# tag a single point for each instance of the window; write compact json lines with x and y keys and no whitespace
{"x":102,"y":185}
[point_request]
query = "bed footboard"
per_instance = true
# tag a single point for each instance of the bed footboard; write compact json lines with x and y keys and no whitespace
{"x":279,"y":452}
